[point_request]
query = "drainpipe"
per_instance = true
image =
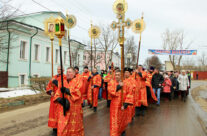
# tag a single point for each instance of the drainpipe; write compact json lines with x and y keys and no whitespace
{"x":7,"y":66}
{"x":30,"y":53}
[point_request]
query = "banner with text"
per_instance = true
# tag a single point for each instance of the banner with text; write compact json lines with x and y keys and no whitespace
{"x":172,"y":52}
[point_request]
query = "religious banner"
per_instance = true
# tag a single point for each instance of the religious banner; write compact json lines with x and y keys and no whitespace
{"x":172,"y":52}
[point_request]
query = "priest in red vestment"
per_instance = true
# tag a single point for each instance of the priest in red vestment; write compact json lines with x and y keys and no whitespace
{"x":110,"y":76}
{"x":132,"y":82}
{"x":77,"y":75}
{"x":70,"y":124}
{"x":141,"y":104}
{"x":51,"y":90}
{"x":85,"y":75}
{"x":150,"y":92}
{"x":119,"y":104}
{"x":93,"y":89}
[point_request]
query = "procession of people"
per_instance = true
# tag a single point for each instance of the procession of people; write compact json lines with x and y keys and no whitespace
{"x":127,"y":97}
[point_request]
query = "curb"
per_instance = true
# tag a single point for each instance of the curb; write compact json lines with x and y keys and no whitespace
{"x":202,"y":114}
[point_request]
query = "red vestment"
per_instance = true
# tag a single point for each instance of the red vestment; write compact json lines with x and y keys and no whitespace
{"x":52,"y":121}
{"x":79,"y":78}
{"x":138,"y":86}
{"x":84,"y":89}
{"x":148,"y":83}
{"x":118,"y":117}
{"x":131,"y":108}
{"x":142,"y":92}
{"x":92,"y":95}
{"x":107,"y":79}
{"x":72,"y":123}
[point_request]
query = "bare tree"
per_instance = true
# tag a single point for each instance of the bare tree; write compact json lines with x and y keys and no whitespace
{"x":130,"y":50}
{"x":108,"y":41}
{"x":188,"y":63}
{"x":6,"y":12}
{"x":174,"y":41}
{"x":203,"y":61}
{"x":153,"y":61}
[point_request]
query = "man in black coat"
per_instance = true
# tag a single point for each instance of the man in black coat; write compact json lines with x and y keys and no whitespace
{"x":157,"y":80}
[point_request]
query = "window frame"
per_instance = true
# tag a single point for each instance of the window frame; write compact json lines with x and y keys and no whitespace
{"x":57,"y":56}
{"x":49,"y":54}
{"x":84,"y":57}
{"x":25,"y":79}
{"x":38,"y":51}
{"x":25,"y":50}
{"x":65,"y":57}
{"x":78,"y":59}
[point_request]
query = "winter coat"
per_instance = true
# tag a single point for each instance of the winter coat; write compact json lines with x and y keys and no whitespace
{"x":183,"y":82}
{"x":167,"y":85}
{"x":156,"y":80}
{"x":177,"y":84}
{"x":174,"y":84}
{"x":189,"y":78}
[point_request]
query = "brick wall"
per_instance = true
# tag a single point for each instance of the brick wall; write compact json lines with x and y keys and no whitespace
{"x":3,"y":79}
{"x":197,"y":75}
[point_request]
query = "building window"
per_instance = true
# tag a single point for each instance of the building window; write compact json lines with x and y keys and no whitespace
{"x":72,"y":58}
{"x":22,"y":79}
{"x":37,"y":52}
{"x":78,"y":59}
{"x":65,"y":57}
{"x":23,"y":50}
{"x":56,"y":55}
{"x":98,"y":57}
{"x":84,"y":57}
{"x":47,"y":54}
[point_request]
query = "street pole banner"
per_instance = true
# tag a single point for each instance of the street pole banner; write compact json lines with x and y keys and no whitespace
{"x":172,"y":52}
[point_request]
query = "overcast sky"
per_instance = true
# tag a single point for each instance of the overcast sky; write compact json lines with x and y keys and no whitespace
{"x":189,"y":16}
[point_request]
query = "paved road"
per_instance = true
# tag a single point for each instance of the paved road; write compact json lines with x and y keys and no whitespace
{"x":174,"y":118}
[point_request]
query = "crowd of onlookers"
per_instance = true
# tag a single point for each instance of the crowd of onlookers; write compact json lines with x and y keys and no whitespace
{"x":172,"y":84}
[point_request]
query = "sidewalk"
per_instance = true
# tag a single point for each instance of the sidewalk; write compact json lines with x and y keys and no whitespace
{"x":32,"y":120}
{"x":199,"y":95}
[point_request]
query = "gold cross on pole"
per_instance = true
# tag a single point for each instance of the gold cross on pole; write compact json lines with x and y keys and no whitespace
{"x":120,"y":7}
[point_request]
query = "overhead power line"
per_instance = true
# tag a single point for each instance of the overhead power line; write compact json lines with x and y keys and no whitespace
{"x":42,"y":22}
{"x":85,"y":29}
{"x":77,"y":9}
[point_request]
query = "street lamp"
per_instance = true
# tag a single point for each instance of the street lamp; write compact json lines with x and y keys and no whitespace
{"x":120,"y":7}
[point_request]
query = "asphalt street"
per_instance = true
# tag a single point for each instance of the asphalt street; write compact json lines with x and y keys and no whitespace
{"x":172,"y":118}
